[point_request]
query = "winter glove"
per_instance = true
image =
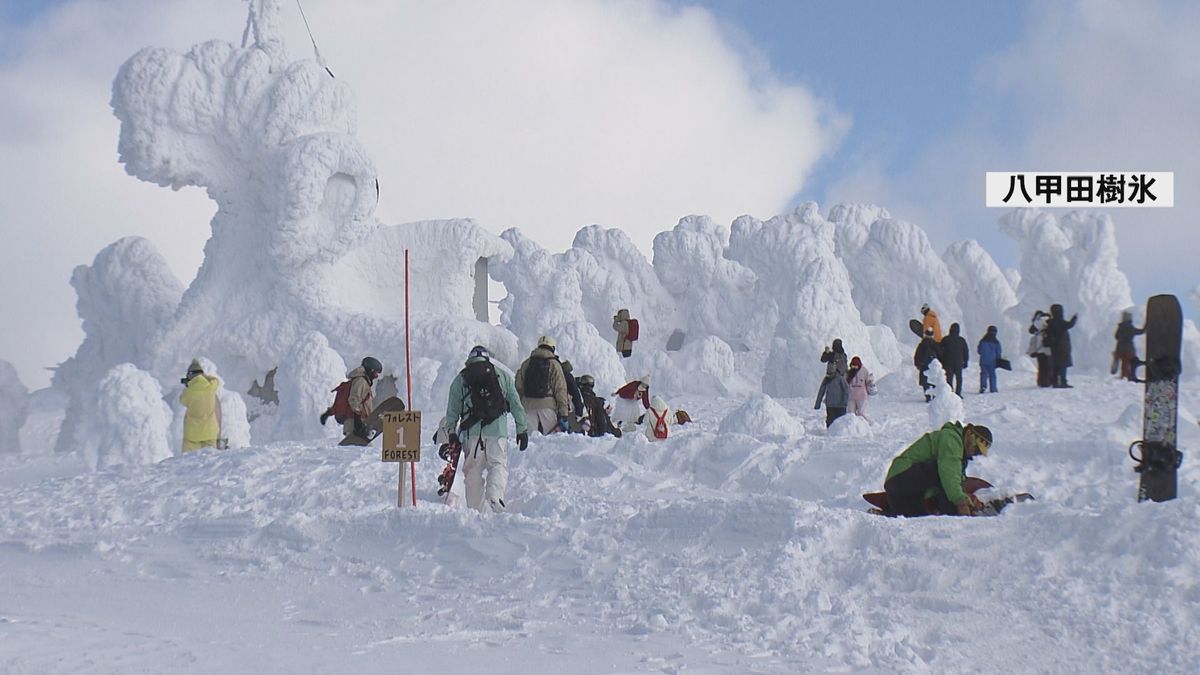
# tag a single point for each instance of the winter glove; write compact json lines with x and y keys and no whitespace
{"x":325,"y":416}
{"x":562,"y":424}
{"x":444,"y":452}
{"x":522,"y":441}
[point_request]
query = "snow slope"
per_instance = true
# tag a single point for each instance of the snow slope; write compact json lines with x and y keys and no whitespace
{"x":709,"y":552}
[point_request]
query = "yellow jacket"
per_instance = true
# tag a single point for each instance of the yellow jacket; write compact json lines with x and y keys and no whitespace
{"x":202,"y":423}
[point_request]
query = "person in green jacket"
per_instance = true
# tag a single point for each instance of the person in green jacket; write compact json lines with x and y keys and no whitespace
{"x":934,"y":468}
{"x":202,"y":421}
{"x":481,"y":396}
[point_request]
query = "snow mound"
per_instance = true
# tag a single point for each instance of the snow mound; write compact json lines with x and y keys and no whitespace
{"x":762,"y":418}
{"x":850,"y":426}
{"x":134,"y":421}
{"x":14,"y":408}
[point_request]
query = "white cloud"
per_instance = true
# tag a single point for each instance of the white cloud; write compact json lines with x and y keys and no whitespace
{"x":548,"y":115}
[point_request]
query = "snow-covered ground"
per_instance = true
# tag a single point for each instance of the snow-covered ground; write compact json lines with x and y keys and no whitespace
{"x":710,"y":552}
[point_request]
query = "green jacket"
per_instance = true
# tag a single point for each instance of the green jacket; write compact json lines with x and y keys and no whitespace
{"x":944,"y":446}
{"x":458,"y":407}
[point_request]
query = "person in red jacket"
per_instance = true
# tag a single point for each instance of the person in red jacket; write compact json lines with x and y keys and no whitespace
{"x":626,"y":412}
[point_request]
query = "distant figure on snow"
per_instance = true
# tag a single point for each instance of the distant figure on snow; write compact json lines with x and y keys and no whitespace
{"x":927,"y":351}
{"x":930,"y":320}
{"x":837,"y":399}
{"x":934,"y":468}
{"x":954,"y":353}
{"x":480,"y":398}
{"x":627,"y":332}
{"x":1039,"y":348}
{"x":202,"y":421}
{"x":352,"y":400}
{"x":862,"y":386}
{"x":626,"y":411}
{"x":544,"y":388}
{"x":1126,"y":353}
{"x":990,"y":353}
{"x":1059,"y":338}
{"x":834,"y":359}
{"x":658,"y":420}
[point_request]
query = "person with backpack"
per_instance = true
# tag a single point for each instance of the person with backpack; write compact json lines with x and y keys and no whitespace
{"x":202,"y":421}
{"x":1058,"y":338}
{"x":627,"y":332}
{"x":480,"y":397}
{"x":1125,"y":353}
{"x":862,"y":386}
{"x":543,"y":388}
{"x":596,"y":422}
{"x":927,"y":351}
{"x":1039,"y":348}
{"x":576,"y":398}
{"x":933,"y":468}
{"x":658,"y":420}
{"x":990,"y":354}
{"x":835,"y":366}
{"x":626,"y":411}
{"x":352,"y":399}
{"x":954,"y":353}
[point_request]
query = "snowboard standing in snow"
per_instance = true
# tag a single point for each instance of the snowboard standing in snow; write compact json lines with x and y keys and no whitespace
{"x":1160,"y":458}
{"x":374,"y":423}
{"x":971,"y":485}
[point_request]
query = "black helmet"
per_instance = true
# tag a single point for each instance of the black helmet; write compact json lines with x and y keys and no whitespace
{"x":372,"y":365}
{"x":586,"y":381}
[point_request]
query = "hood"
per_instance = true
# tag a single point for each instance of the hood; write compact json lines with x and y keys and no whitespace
{"x":542,"y":353}
{"x":1056,"y":311}
{"x":659,"y":405}
{"x":954,"y":329}
{"x":357,"y":372}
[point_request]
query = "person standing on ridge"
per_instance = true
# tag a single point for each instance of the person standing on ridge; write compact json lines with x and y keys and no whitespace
{"x":954,"y":353}
{"x":202,"y":421}
{"x":1125,"y":352}
{"x":543,"y":388}
{"x":934,"y":468}
{"x":627,"y":332}
{"x":930,"y":320}
{"x":481,"y":395}
{"x":1059,"y":337}
{"x":990,"y":353}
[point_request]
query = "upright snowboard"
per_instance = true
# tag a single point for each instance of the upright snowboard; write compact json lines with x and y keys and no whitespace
{"x":1160,"y":458}
{"x":374,"y":422}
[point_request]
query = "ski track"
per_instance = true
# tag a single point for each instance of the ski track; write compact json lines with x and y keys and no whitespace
{"x":707,"y":553}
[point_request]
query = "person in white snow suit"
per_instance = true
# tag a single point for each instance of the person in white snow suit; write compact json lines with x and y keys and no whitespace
{"x":481,"y":398}
{"x":658,"y":420}
{"x":862,"y":387}
{"x":543,"y":389}
{"x":626,"y":409}
{"x":1039,"y":348}
{"x":202,"y":421}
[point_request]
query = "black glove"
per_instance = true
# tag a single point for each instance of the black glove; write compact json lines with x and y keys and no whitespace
{"x":325,"y":416}
{"x":522,"y":441}
{"x":360,"y":428}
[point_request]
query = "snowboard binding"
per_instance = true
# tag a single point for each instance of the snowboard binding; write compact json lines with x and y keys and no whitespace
{"x":1155,"y":457}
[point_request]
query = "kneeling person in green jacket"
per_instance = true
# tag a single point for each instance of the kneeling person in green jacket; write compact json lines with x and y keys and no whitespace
{"x":480,"y":397}
{"x":933,"y":468}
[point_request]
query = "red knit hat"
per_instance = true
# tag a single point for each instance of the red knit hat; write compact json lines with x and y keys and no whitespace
{"x":856,"y":362}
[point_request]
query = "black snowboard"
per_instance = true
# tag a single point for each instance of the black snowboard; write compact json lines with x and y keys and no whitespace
{"x":374,"y":423}
{"x":1004,"y":364}
{"x":1160,"y":457}
{"x":916,"y":327}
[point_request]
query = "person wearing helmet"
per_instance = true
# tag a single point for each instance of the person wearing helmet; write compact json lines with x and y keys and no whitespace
{"x":543,"y":388}
{"x":929,"y":321}
{"x":933,"y":468}
{"x":596,"y":421}
{"x":481,"y":397}
{"x":361,"y":380}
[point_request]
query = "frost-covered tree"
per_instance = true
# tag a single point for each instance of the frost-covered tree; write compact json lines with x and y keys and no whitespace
{"x":14,"y":408}
{"x":984,"y":295}
{"x":132,"y":424}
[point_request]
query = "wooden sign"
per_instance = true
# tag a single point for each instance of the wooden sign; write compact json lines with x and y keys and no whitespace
{"x":402,"y":436}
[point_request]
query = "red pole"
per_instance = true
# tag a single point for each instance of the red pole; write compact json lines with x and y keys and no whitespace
{"x":408,"y":371}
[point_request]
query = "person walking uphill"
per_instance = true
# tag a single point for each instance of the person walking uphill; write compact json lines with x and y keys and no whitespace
{"x":990,"y":353}
{"x":627,"y":332}
{"x":1059,"y":339}
{"x":202,"y":421}
{"x":543,"y":388}
{"x":933,"y":468}
{"x":480,"y":398}
{"x":834,"y":359}
{"x":1126,"y":353}
{"x":352,"y":400}
{"x":954,"y":353}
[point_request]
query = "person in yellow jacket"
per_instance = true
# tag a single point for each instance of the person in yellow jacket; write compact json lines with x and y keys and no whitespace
{"x":202,"y":422}
{"x":931,"y":320}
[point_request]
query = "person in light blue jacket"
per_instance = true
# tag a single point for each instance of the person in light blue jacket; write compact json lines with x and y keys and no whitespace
{"x":990,"y":354}
{"x":481,"y":398}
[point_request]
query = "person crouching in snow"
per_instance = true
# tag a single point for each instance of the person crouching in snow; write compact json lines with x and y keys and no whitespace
{"x":658,"y":421}
{"x":626,"y":411}
{"x":202,"y":421}
{"x":481,"y":396}
{"x":862,"y":386}
{"x":543,"y":388}
{"x":596,"y":421}
{"x":934,"y":468}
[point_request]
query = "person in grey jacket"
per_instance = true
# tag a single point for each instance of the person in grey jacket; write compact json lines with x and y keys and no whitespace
{"x":837,"y":399}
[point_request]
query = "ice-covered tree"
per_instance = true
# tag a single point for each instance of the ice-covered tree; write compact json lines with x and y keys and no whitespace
{"x":132,"y":424}
{"x":14,"y":408}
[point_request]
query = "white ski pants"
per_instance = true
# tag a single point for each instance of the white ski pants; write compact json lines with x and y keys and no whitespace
{"x":625,"y":412}
{"x":485,"y":454}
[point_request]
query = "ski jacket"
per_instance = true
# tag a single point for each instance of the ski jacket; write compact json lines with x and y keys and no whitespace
{"x":360,"y":392}
{"x":202,"y":421}
{"x":989,"y":350}
{"x":573,"y":390}
{"x":630,"y":392}
{"x":835,"y":360}
{"x":559,"y":399}
{"x":931,"y":321}
{"x":953,"y":351}
{"x":621,"y":326}
{"x":861,"y":384}
{"x":837,"y":393}
{"x":945,"y":447}
{"x":1058,"y":337}
{"x":458,"y":407}
{"x":1124,"y":335}
{"x":926,"y":352}
{"x":1037,"y":333}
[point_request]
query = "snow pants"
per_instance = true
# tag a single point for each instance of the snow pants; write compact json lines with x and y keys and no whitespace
{"x":954,"y":379}
{"x":1127,"y":360}
{"x":1045,"y":371}
{"x":626,"y":411}
{"x":485,"y":454}
{"x":859,"y":407}
{"x":544,"y":420}
{"x":832,"y":412}
{"x":906,"y":491}
{"x":987,"y":378}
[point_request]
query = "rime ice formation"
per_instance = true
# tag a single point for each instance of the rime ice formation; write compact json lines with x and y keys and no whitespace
{"x":761,"y":417}
{"x":306,"y":375}
{"x":984,"y":295}
{"x":133,"y":423}
{"x":14,"y":408}
{"x":1071,"y":261}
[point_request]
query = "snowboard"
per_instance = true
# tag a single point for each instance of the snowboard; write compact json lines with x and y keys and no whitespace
{"x":917,"y":328}
{"x":374,"y":423}
{"x":450,"y":490}
{"x":1004,"y":364}
{"x":971,"y":485}
{"x":1160,"y":458}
